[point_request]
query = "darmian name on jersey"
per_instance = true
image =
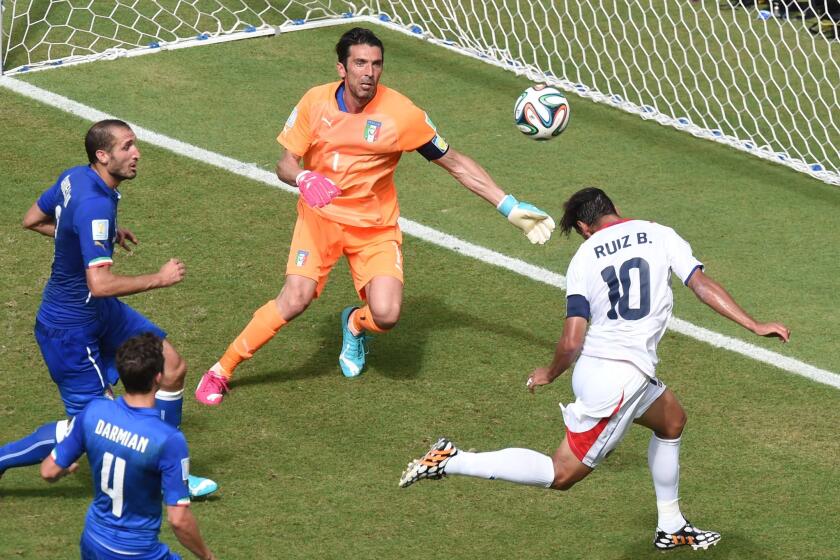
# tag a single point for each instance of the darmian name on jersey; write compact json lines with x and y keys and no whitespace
{"x":123,"y":437}
{"x":622,"y":242}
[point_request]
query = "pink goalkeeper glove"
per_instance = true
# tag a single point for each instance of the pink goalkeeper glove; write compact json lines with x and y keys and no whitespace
{"x":316,"y":190}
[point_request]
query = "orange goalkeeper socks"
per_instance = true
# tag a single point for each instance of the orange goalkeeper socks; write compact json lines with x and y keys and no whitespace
{"x":262,"y":328}
{"x":362,"y":320}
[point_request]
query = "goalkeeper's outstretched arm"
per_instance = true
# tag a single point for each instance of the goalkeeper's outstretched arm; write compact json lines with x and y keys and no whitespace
{"x":534,"y":223}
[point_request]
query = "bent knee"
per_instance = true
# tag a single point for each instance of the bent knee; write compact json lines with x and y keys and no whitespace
{"x":174,"y":373}
{"x":563,"y":482}
{"x":675,"y":425}
{"x":386,"y":318}
{"x":294,"y":301}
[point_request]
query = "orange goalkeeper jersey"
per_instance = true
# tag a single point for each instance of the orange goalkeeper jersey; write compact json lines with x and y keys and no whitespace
{"x":358,"y":152}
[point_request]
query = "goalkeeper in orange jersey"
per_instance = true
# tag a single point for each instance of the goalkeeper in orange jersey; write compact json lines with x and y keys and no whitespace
{"x":349,"y":136}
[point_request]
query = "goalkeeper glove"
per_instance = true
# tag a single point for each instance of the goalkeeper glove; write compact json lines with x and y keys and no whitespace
{"x":536,"y":224}
{"x":316,"y":189}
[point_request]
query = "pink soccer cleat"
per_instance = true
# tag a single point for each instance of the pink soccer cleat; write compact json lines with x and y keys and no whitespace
{"x":211,"y":389}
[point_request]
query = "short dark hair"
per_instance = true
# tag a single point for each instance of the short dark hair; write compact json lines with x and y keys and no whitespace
{"x":101,"y":137}
{"x":356,"y":36}
{"x":139,"y":360}
{"x":588,"y":206}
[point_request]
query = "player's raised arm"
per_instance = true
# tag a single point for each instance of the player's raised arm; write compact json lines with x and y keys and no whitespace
{"x":715,"y":296}
{"x":102,"y":282}
{"x":536,"y":224}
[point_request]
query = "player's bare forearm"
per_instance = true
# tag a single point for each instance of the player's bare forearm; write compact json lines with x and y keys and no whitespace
{"x":288,"y":167}
{"x":565,"y":353}
{"x":715,"y":296}
{"x":36,"y":220}
{"x":52,"y":471}
{"x":185,"y":527}
{"x":102,"y":282}
{"x":471,"y":175}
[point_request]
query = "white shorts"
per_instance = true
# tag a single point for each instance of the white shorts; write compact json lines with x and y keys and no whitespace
{"x":610,"y":395}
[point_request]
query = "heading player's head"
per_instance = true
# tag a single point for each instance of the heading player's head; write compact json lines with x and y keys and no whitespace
{"x":360,"y":59}
{"x":112,"y":151}
{"x":140,"y":363}
{"x":584,"y":210}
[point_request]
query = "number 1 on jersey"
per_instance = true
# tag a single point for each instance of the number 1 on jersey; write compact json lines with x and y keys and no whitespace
{"x":115,"y":492}
{"x":619,"y":289}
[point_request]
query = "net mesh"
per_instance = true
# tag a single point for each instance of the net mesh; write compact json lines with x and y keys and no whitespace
{"x":762,"y":76}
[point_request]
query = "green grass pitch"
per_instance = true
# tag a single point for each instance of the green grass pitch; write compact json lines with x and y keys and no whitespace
{"x":308,"y":461}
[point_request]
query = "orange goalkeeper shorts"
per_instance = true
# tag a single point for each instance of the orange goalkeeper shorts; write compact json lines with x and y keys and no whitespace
{"x":318,"y":243}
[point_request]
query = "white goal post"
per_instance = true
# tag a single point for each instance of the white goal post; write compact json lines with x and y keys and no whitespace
{"x":762,"y":76}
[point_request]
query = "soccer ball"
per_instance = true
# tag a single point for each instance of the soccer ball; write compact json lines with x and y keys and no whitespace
{"x":541,"y":112}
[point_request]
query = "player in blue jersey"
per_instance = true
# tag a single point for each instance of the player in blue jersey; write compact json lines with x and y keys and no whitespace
{"x":81,"y":323}
{"x":135,"y":458}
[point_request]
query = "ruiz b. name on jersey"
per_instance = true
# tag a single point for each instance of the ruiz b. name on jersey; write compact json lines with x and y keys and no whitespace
{"x":623,"y":242}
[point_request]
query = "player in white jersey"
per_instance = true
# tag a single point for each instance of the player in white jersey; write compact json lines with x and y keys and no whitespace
{"x":619,"y":301}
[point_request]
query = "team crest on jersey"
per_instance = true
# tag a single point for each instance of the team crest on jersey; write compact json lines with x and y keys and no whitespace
{"x":99,"y":230}
{"x":300,"y":259}
{"x":372,"y":130}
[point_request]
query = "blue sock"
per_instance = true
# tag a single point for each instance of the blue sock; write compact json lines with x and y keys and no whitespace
{"x":170,"y":403}
{"x":30,"y":450}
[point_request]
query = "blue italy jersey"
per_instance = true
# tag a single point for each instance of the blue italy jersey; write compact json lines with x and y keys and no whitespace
{"x":85,"y":212}
{"x":135,"y":458}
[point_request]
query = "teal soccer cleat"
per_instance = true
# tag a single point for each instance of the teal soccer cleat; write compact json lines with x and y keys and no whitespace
{"x":200,"y":486}
{"x":353,"y":348}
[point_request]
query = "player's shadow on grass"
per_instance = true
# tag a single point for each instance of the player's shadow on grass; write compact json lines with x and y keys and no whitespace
{"x":398,"y":354}
{"x":40,"y":489}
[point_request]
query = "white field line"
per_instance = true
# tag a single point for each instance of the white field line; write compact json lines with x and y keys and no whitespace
{"x":420,"y":231}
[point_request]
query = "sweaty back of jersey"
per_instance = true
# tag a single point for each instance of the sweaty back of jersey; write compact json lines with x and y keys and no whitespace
{"x":620,"y":278}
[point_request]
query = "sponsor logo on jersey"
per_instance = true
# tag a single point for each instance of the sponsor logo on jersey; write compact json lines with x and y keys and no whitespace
{"x":440,"y":143}
{"x":99,"y":244}
{"x":290,"y":122}
{"x":372,"y":130}
{"x":99,"y":230}
{"x":300,"y":259}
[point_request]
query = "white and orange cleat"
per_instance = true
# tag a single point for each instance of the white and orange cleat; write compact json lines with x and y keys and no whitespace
{"x":212,"y":387}
{"x":432,"y":465}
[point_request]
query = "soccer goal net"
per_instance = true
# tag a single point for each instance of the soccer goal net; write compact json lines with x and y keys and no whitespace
{"x":759,"y":75}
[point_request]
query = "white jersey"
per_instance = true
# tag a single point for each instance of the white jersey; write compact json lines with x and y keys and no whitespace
{"x":620,"y":278}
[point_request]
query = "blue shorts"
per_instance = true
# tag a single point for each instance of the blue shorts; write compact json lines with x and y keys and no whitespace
{"x":81,"y":360}
{"x":93,"y":550}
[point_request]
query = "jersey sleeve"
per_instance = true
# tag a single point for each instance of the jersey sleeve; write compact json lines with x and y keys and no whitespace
{"x":296,"y":135}
{"x":416,"y":129}
{"x":72,"y":446}
{"x":50,"y":198}
{"x":94,"y":224}
{"x":577,"y":302}
{"x":680,"y":258}
{"x":174,"y":467}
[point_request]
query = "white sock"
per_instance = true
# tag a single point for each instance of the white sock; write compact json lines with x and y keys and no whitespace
{"x":522,"y":466}
{"x":664,"y":464}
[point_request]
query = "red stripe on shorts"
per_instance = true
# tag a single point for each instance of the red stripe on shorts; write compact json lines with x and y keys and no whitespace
{"x":581,"y":442}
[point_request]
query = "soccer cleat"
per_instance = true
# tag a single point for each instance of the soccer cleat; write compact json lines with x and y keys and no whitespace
{"x":211,"y":389}
{"x":353,"y":347}
{"x":432,"y":465}
{"x":200,"y":487}
{"x":689,"y":535}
